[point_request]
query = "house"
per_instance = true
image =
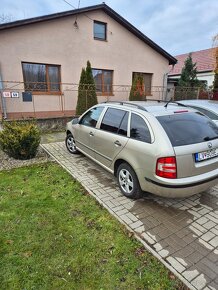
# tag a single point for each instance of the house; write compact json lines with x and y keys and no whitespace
{"x":205,"y":64}
{"x":42,"y":58}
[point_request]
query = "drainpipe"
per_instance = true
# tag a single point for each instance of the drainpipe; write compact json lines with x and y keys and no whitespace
{"x":3,"y":102}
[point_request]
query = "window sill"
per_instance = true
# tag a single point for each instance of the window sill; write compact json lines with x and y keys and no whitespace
{"x":44,"y":93}
{"x":105,"y":94}
{"x":105,"y":40}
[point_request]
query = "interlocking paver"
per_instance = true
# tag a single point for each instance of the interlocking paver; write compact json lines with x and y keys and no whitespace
{"x":183,"y":232}
{"x":199,"y":282}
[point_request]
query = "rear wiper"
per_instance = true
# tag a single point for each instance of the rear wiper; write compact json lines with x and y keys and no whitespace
{"x":210,"y":138}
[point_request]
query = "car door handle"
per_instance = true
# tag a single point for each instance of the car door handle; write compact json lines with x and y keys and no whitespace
{"x":91,"y":134}
{"x":117,"y":143}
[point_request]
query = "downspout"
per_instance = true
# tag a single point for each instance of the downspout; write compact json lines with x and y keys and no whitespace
{"x":3,"y":102}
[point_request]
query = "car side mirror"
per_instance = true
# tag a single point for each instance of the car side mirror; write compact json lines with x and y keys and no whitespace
{"x":75,"y":121}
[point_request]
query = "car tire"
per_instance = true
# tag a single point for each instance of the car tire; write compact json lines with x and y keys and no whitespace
{"x":128,"y":181}
{"x":70,"y":144}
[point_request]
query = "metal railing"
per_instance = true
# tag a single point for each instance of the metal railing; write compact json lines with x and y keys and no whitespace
{"x":63,"y":98}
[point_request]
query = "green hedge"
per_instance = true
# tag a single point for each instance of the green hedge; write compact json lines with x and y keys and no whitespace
{"x":20,"y":140}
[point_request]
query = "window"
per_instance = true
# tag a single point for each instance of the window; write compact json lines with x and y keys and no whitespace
{"x":139,"y":129}
{"x":146,"y":81}
{"x":124,"y":125}
{"x":41,"y":77}
{"x":188,"y":128}
{"x":91,"y":117}
{"x":103,"y":81}
{"x":115,"y":121}
{"x":100,"y":30}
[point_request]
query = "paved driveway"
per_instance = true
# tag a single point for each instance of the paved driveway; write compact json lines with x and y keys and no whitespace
{"x":182,"y":233}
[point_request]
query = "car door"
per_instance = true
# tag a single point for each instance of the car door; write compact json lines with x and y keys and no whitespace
{"x":85,"y":131}
{"x":111,"y":137}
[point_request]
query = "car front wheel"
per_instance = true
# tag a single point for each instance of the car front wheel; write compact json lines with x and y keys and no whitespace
{"x":128,"y":181}
{"x":70,"y":144}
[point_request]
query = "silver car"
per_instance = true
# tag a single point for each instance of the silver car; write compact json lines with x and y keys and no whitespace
{"x":207,"y":107}
{"x":163,"y":148}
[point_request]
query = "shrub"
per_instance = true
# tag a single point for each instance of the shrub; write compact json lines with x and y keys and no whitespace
{"x":87,"y":92}
{"x":91,"y":90}
{"x":81,"y":100}
{"x":137,"y":92}
{"x":20,"y":140}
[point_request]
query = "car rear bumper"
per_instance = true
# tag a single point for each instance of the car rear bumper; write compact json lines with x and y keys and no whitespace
{"x":181,"y":187}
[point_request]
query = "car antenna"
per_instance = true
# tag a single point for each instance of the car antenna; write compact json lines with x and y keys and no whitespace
{"x":168,"y":103}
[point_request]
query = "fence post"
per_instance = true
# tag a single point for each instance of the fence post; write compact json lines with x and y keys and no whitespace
{"x":198,"y":92}
{"x":86,"y":99}
{"x":3,"y":102}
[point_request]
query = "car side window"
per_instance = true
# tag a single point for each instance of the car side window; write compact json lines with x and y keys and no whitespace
{"x":113,"y":120}
{"x":124,"y":125}
{"x":139,"y":129}
{"x":207,"y":113}
{"x":90,"y":119}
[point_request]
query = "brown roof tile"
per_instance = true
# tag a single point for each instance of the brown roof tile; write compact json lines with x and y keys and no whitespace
{"x":204,"y":59}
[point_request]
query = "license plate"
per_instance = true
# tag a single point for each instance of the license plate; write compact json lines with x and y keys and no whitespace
{"x":206,"y":155}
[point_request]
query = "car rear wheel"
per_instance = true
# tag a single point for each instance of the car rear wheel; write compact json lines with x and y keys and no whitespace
{"x":128,"y":181}
{"x":70,"y":144}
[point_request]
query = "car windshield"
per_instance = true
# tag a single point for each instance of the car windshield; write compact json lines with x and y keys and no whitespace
{"x":188,"y":128}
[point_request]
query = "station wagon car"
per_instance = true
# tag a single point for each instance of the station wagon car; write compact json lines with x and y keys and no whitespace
{"x":207,"y":107}
{"x":164,"y":148}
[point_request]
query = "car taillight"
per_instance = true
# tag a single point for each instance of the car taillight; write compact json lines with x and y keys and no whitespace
{"x":166,"y":167}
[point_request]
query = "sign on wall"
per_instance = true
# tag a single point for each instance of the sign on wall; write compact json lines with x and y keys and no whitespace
{"x":14,"y":94}
{"x":6,"y":94}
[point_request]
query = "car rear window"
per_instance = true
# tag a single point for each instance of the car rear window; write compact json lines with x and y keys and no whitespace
{"x":188,"y":128}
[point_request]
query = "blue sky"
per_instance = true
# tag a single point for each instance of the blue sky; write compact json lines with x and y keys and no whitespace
{"x":178,"y":26}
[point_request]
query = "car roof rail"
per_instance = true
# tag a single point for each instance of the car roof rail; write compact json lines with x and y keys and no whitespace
{"x":175,"y":102}
{"x":126,"y":104}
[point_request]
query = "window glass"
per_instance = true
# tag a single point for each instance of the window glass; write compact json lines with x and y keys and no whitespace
{"x":112,"y":120}
{"x":53,"y":74}
{"x":188,"y":128}
{"x":34,"y":77}
{"x":91,"y":117}
{"x":103,"y":81}
{"x":97,"y":75}
{"x":210,"y":114}
{"x":107,"y":81}
{"x":139,"y":129}
{"x":99,"y":30}
{"x":124,"y":125}
{"x":41,"y":77}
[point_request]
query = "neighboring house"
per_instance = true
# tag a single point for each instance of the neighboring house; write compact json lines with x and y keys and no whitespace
{"x":46,"y":54}
{"x":205,"y":63}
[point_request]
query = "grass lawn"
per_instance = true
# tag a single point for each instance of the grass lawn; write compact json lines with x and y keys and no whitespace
{"x":55,"y":236}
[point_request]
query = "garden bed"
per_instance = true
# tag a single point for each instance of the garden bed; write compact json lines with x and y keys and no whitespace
{"x":7,"y":162}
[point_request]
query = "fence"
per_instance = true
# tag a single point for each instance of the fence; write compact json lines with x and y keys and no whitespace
{"x":19,"y":100}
